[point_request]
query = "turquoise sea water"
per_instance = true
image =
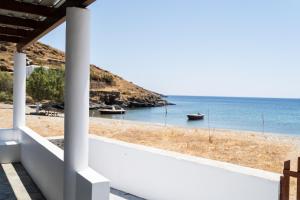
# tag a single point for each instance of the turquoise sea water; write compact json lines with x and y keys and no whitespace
{"x":254,"y":114}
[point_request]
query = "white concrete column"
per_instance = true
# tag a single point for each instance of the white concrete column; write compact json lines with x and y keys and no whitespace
{"x":19,"y":93}
{"x":77,"y":81}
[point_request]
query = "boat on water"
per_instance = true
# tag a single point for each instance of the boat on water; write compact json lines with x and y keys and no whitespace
{"x":197,"y":116}
{"x":112,"y":110}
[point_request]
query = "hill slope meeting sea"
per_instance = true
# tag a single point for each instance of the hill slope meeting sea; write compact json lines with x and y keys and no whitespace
{"x":105,"y":87}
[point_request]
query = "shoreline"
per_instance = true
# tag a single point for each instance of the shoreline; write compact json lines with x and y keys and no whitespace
{"x":292,"y":134}
{"x":242,"y":131}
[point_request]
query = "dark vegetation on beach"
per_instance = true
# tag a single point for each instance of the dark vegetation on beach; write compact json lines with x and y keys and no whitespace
{"x":46,"y":83}
{"x":6,"y":87}
{"x":43,"y":85}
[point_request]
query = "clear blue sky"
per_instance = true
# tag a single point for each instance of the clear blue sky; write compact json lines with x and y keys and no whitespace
{"x":198,"y":47}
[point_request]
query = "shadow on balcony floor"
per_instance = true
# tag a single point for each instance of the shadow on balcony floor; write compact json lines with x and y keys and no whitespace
{"x":120,"y":195}
{"x":15,"y":183}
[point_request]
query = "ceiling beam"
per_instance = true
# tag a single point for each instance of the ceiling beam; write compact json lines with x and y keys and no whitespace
{"x":9,"y":38}
{"x":15,"y":21}
{"x":14,"y":32}
{"x":26,"y":7}
{"x":57,"y":18}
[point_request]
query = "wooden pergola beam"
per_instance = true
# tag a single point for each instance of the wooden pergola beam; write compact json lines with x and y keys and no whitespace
{"x":26,"y":7}
{"x":9,"y":38}
{"x":57,"y":18}
{"x":54,"y":16}
{"x":14,"y":32}
{"x":15,"y":21}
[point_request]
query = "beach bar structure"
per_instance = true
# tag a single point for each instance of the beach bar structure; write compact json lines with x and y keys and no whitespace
{"x":89,"y":166}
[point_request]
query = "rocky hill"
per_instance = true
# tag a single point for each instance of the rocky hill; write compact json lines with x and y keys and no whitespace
{"x":105,"y":87}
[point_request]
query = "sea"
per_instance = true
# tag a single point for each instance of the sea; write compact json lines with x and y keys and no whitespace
{"x":265,"y":115}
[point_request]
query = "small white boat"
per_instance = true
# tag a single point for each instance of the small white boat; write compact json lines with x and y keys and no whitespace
{"x":112,"y":110}
{"x":197,"y":116}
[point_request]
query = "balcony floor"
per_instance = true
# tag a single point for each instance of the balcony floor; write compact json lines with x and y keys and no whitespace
{"x":15,"y":183}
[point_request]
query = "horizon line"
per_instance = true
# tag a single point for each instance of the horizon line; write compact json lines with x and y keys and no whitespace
{"x":247,"y":97}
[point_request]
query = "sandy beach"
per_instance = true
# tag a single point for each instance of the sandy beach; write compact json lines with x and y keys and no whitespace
{"x":256,"y":150}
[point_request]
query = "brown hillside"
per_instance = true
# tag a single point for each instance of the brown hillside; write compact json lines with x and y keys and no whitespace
{"x":105,"y":86}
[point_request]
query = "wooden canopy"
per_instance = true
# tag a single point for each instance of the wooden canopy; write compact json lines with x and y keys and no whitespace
{"x":25,"y":21}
